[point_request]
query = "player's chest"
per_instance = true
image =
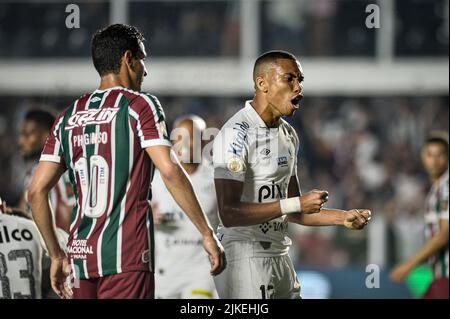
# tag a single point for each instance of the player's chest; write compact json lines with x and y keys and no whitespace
{"x":271,"y":153}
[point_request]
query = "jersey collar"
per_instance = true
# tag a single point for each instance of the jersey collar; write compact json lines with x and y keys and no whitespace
{"x":254,"y":116}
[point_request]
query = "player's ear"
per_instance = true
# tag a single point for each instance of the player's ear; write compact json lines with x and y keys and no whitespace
{"x":261,"y":84}
{"x":127,"y":58}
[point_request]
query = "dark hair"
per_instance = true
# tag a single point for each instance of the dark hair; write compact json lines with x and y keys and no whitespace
{"x":440,"y":137}
{"x":111,"y":43}
{"x":271,"y":56}
{"x":42,"y":118}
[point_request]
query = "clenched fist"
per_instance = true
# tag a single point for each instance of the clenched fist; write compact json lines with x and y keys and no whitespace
{"x":357,"y":219}
{"x":312,"y":202}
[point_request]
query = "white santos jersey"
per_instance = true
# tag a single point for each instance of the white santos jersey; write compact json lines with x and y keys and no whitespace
{"x":179,"y":245}
{"x":21,"y":254}
{"x":264,"y":159}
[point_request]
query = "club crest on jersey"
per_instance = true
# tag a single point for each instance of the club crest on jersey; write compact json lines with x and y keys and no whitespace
{"x":91,"y":117}
{"x":235,"y":164}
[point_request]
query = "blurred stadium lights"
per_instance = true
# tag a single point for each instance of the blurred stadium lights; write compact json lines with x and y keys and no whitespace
{"x":383,"y":73}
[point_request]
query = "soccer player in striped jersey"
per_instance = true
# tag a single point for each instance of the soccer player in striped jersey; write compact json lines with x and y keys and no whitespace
{"x":110,"y":141}
{"x":181,"y":267}
{"x":435,"y":249}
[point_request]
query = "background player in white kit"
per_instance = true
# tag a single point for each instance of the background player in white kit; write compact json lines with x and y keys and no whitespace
{"x":21,"y":257}
{"x":255,"y":172}
{"x":182,"y":269}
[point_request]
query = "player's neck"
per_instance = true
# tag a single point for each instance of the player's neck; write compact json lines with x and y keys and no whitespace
{"x":435,"y":178}
{"x":265,"y":111}
{"x":112,"y":80}
{"x":190,"y":168}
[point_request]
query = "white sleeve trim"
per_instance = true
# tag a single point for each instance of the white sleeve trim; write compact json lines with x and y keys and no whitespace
{"x":50,"y":158}
{"x":223,"y":173}
{"x":155,"y":142}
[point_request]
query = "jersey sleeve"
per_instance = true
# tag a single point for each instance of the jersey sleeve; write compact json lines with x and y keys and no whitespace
{"x":52,"y":151}
{"x":444,"y":201}
{"x":230,"y":153}
{"x":151,"y":126}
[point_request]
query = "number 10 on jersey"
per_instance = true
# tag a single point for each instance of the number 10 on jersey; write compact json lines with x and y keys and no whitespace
{"x":94,"y":184}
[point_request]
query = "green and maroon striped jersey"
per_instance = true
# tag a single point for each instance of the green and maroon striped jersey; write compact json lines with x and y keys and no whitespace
{"x":436,"y":210}
{"x":101,"y":140}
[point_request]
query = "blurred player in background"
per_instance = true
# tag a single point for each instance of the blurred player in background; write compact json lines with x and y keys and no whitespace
{"x":22,"y":267}
{"x":110,"y":141}
{"x":33,"y":133}
{"x":435,"y":250}
{"x":255,"y":172}
{"x":181,"y":264}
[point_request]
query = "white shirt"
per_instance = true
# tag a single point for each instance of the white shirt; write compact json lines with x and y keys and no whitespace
{"x":20,"y":258}
{"x":179,"y":245}
{"x":264,"y":159}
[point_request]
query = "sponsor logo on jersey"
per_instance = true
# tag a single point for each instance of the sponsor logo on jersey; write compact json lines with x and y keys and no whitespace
{"x":275,"y":226}
{"x":7,"y":235}
{"x":265,"y":152}
{"x":240,"y":137}
{"x":79,"y":249}
{"x":174,"y":241}
{"x":91,"y":117}
{"x":282,"y":161}
{"x":265,"y":227}
{"x":271,"y":191}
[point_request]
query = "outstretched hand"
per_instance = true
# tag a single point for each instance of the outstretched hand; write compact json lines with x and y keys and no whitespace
{"x":357,"y":219}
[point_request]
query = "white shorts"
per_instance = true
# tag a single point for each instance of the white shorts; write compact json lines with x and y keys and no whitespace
{"x":187,"y":285}
{"x":250,"y":277}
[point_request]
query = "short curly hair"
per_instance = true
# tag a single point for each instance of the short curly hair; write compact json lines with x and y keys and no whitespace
{"x":110,"y":44}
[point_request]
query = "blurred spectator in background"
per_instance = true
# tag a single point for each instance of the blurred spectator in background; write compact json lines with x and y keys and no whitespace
{"x":334,"y":129}
{"x":182,"y":270}
{"x":33,"y":133}
{"x":435,"y":160}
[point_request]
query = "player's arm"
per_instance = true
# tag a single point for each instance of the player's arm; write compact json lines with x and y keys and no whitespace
{"x":327,"y":217}
{"x":179,"y":186}
{"x":46,"y":176}
{"x":233,"y":212}
{"x":430,"y":248}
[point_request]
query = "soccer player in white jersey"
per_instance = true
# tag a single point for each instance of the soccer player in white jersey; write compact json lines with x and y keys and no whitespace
{"x":435,"y":249}
{"x":181,"y":265}
{"x":20,"y":259}
{"x":22,"y":264}
{"x":255,"y":172}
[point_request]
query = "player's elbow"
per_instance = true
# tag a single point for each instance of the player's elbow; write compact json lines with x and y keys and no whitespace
{"x":169,"y":172}
{"x":228,"y":216}
{"x":34,"y":192}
